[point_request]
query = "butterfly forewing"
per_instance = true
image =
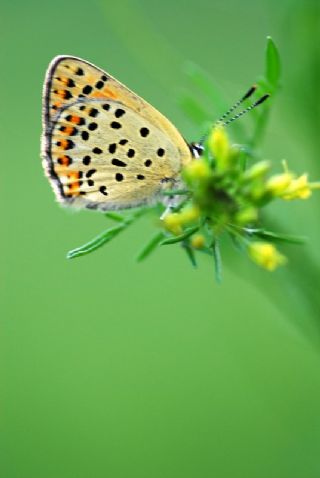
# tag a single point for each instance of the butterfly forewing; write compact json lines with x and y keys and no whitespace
{"x":103,"y":146}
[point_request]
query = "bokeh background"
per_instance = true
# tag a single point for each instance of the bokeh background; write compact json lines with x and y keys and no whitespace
{"x":113,"y":369}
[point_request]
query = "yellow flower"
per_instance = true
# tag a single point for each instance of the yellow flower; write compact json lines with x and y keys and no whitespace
{"x":219,"y":145}
{"x":246,"y":216}
{"x":298,"y":188}
{"x":198,"y":241}
{"x":172,"y":222}
{"x":189,"y":214}
{"x":266,"y":255}
{"x":258,"y":170}
{"x":278,"y":184}
{"x":197,"y":170}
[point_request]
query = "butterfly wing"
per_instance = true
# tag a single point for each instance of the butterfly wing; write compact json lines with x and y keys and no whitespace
{"x":103,"y":146}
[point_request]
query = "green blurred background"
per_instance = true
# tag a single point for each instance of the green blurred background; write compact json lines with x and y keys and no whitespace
{"x":113,"y":369}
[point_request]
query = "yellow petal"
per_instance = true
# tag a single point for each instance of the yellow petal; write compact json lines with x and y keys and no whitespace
{"x":266,"y":255}
{"x":279,"y":183}
{"x":298,"y":189}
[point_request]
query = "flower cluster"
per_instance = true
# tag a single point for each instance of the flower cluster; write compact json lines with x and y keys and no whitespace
{"x":224,"y":196}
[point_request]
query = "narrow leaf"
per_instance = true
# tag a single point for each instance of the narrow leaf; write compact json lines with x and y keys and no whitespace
{"x":235,"y":241}
{"x":150,"y":246}
{"x":217,"y":261}
{"x":276,"y":237}
{"x":273,"y":65}
{"x":202,"y":80}
{"x":182,"y":237}
{"x":175,"y":192}
{"x":115,"y":216}
{"x":193,"y":109}
{"x":97,"y":242}
{"x":190,"y":253}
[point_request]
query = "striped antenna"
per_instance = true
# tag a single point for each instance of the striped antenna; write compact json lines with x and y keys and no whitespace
{"x":221,"y":121}
{"x":238,"y":103}
{"x":258,"y":102}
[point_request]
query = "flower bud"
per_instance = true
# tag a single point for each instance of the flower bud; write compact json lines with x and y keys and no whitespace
{"x":299,"y":188}
{"x":219,"y":145}
{"x":276,"y":185}
{"x":189,"y":214}
{"x":257,"y":171}
{"x":198,"y":241}
{"x":266,"y":255}
{"x":246,"y":216}
{"x":172,"y":222}
{"x":197,"y":170}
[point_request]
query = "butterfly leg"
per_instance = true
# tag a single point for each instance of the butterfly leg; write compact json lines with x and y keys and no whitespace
{"x":169,"y":209}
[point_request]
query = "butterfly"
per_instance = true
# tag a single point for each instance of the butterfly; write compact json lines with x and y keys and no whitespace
{"x":104,"y":147}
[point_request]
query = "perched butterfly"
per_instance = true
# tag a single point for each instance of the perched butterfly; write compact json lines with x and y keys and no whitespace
{"x":103,"y":146}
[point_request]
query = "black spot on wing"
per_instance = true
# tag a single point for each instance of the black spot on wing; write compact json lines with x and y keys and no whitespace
{"x":92,"y":126}
{"x":119,"y":177}
{"x":144,"y":132}
{"x":87,"y":89}
{"x":112,"y":148}
{"x":115,"y":125}
{"x":103,"y":190}
{"x":119,"y":163}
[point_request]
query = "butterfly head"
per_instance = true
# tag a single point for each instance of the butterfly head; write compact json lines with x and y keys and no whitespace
{"x":196,"y":149}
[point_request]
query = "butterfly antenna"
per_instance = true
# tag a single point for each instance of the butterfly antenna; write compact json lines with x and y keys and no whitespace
{"x":251,"y":107}
{"x":248,"y":94}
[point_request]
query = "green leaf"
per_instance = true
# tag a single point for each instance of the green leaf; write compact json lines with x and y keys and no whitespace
{"x":273,"y":65}
{"x":276,"y":237}
{"x":107,"y":235}
{"x":175,"y":192}
{"x":202,"y":80}
{"x":180,"y":205}
{"x":217,"y":261}
{"x":115,"y":216}
{"x":182,"y":237}
{"x":150,"y":246}
{"x":97,"y":242}
{"x":236,"y":241}
{"x":190,"y":253}
{"x":193,"y":109}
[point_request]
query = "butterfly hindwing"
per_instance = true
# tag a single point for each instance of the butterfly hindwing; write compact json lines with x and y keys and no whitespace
{"x":103,"y":146}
